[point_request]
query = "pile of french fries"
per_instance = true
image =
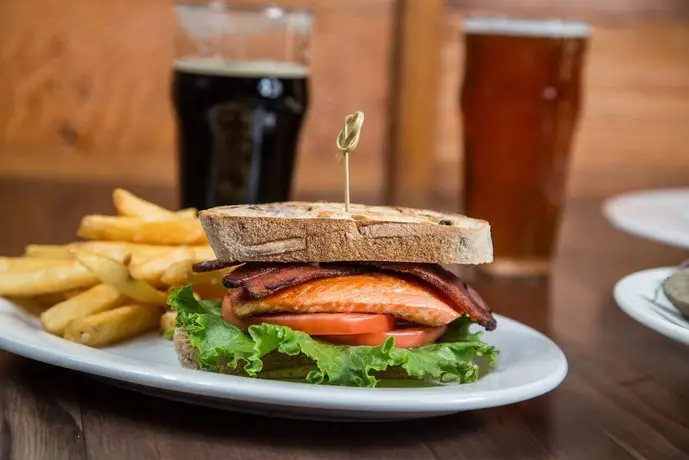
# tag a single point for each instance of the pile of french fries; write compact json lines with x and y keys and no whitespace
{"x":112,"y":285}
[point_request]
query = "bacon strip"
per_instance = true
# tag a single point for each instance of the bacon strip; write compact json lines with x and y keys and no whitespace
{"x":261,"y":280}
{"x":248,"y":273}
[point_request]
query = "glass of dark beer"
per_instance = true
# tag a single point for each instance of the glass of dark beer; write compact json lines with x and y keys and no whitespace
{"x":240,"y":92}
{"x":520,"y":100}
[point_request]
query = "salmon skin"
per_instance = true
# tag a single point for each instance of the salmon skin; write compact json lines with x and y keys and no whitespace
{"x":254,"y":281}
{"x":374,"y":293}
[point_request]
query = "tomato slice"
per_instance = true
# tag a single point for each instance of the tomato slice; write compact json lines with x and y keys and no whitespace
{"x":329,"y":323}
{"x":411,"y":337}
{"x":229,"y":315}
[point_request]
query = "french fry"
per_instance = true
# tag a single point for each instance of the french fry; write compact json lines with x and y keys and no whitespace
{"x":181,"y":273}
{"x":151,"y":270}
{"x":168,"y":322}
{"x":128,"y":204}
{"x":18,"y":264}
{"x":139,"y":252}
{"x":137,"y":230}
{"x":115,"y":250}
{"x":113,"y":326}
{"x":146,"y":250}
{"x":120,"y":253}
{"x":51,"y":280}
{"x":202,"y":253}
{"x":187,"y":213}
{"x":116,"y":274}
{"x":47,"y":251}
{"x":177,"y":273}
{"x":99,"y":298}
{"x":46,"y":280}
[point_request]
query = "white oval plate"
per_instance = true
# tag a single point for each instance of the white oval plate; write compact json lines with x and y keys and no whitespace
{"x":638,"y":296}
{"x":530,"y":365}
{"x":658,"y":215}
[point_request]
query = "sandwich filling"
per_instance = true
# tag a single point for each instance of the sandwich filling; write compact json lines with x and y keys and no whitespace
{"x":352,"y":321}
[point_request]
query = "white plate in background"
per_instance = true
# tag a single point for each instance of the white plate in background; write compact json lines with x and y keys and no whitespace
{"x":638,"y":296}
{"x":659,"y":215}
{"x":529,"y":365}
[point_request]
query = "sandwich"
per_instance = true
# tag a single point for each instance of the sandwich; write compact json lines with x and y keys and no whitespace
{"x":344,"y":298}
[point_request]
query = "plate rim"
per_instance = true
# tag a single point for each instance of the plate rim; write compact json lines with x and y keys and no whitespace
{"x":288,"y":394}
{"x":653,"y":322}
{"x":675,"y":239}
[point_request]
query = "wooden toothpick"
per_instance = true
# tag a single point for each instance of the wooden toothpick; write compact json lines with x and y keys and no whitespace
{"x":347,"y":141}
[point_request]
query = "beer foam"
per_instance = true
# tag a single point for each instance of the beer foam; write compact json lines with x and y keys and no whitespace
{"x":527,"y":27}
{"x":226,"y":68}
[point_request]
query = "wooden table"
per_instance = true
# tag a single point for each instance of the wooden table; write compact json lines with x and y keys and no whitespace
{"x":626,"y":395}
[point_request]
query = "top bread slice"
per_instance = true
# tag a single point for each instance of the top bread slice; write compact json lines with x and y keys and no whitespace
{"x":323,"y":232}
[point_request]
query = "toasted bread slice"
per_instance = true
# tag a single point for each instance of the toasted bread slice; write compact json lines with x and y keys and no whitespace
{"x":324,"y":232}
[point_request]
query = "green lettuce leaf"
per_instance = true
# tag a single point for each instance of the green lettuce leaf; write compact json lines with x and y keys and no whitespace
{"x":451,"y":359}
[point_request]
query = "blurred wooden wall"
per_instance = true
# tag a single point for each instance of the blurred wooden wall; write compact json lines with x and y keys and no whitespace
{"x":84,"y":92}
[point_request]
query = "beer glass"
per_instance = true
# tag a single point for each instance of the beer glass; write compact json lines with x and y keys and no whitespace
{"x":520,"y":103}
{"x":240,"y":91}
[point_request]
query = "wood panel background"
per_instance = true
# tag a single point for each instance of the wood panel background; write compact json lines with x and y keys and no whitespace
{"x":84,"y":92}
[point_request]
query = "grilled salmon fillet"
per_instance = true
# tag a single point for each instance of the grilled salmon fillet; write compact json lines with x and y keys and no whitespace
{"x":376,"y":293}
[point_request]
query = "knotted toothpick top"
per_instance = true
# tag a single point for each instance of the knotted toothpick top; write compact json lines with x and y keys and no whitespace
{"x":347,"y":141}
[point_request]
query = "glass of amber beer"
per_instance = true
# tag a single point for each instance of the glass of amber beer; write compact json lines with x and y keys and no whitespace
{"x":520,"y":101}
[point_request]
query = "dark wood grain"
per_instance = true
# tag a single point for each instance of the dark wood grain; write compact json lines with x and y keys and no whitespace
{"x":38,"y":420}
{"x":626,"y":395}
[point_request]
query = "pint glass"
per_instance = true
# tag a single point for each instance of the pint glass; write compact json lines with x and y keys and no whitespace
{"x":240,"y":92}
{"x":520,"y":102}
